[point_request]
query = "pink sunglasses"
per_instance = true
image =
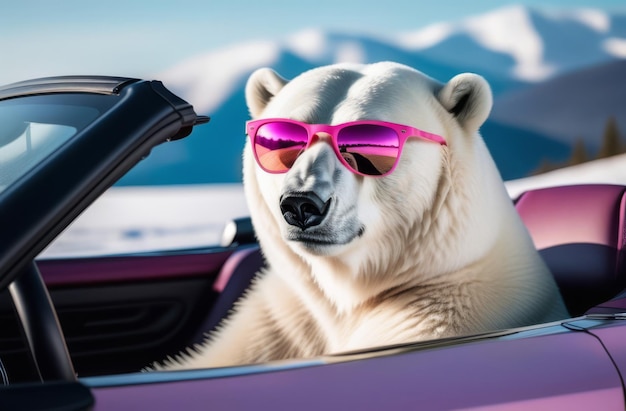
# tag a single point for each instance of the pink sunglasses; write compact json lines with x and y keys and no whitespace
{"x":367,"y":148}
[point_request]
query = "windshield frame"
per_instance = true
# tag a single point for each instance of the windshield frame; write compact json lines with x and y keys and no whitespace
{"x":42,"y":202}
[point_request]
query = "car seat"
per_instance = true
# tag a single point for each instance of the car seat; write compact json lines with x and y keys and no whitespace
{"x":233,"y":279}
{"x":580,"y":233}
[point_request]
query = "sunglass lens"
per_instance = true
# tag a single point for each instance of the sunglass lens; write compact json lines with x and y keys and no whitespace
{"x":277,"y":145}
{"x":369,"y":148}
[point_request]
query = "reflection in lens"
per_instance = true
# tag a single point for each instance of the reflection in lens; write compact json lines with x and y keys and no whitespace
{"x":277,"y":145}
{"x":369,"y":148}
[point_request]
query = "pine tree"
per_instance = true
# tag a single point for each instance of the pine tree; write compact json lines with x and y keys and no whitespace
{"x":611,"y":144}
{"x":544,"y":166}
{"x":579,"y":153}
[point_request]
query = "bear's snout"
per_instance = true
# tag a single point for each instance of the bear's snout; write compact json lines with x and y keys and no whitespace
{"x":303,"y":209}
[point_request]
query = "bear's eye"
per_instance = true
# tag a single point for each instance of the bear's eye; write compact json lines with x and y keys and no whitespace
{"x":350,"y":160}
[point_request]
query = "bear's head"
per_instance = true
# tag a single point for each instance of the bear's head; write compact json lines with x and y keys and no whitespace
{"x":441,"y":208}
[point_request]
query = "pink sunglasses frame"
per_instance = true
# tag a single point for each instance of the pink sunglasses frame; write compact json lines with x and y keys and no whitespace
{"x":404,"y":132}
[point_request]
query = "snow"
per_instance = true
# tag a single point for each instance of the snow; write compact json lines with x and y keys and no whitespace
{"x":427,"y":37}
{"x":140,"y":219}
{"x":506,"y":30}
{"x":207,"y":80}
{"x":615,"y":46}
{"x":595,"y":19}
{"x":610,"y":170}
{"x":492,"y":31}
{"x":311,"y":44}
{"x":511,"y":30}
{"x":350,"y":52}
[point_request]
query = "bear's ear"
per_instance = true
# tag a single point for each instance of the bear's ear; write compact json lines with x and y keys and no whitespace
{"x":467,"y":97}
{"x":261,"y":87}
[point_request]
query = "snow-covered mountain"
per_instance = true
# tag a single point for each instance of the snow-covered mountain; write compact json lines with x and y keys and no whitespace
{"x":515,"y":43}
{"x":531,"y":45}
{"x":514,"y":47}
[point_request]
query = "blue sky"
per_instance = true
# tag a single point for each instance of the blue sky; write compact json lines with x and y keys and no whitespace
{"x":141,"y":38}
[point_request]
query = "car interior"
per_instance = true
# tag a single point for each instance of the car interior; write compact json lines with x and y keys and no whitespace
{"x":121,"y":313}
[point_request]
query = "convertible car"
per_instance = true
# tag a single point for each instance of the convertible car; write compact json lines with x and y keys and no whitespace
{"x":75,"y":333}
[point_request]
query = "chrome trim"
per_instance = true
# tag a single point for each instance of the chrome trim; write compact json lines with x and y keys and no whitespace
{"x":151,"y":377}
{"x":66,"y":84}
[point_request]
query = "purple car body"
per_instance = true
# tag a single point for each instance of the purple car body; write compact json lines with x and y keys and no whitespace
{"x":118,"y":313}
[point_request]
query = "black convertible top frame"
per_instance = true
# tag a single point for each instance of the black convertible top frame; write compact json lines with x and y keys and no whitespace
{"x":140,"y":115}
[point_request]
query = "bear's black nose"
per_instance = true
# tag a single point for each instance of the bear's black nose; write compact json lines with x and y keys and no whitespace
{"x":303,"y":209}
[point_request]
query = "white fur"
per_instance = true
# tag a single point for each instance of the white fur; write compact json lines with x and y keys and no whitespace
{"x":435,"y":249}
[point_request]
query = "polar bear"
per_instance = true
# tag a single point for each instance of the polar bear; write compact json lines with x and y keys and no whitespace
{"x":433,"y":249}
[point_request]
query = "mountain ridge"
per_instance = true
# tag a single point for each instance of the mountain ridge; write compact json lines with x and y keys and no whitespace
{"x":532,"y":39}
{"x":214,"y":82}
{"x":575,"y":105}
{"x":456,"y":52}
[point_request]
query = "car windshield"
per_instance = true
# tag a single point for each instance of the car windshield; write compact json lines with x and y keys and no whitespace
{"x":32,"y":129}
